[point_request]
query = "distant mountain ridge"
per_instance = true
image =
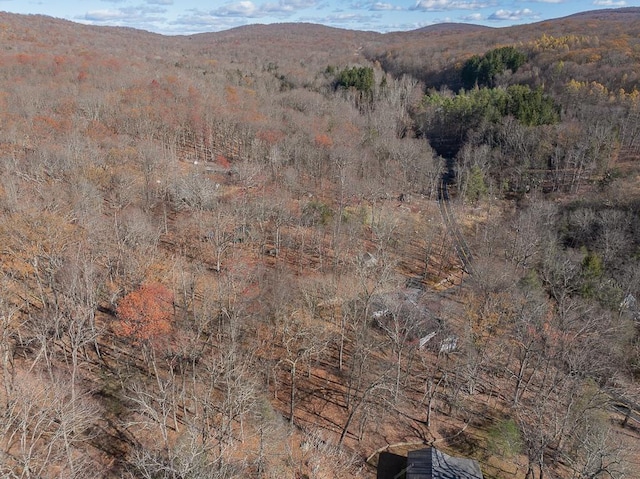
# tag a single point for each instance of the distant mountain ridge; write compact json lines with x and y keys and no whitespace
{"x":605,"y":14}
{"x":302,"y":29}
{"x":306,"y":43}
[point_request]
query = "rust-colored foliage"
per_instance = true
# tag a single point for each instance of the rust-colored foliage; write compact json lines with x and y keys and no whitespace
{"x":232,"y":95}
{"x":270,"y":136}
{"x":323,"y":141}
{"x":82,"y":75}
{"x":49,"y":126}
{"x":223,"y":162}
{"x":145,"y":313}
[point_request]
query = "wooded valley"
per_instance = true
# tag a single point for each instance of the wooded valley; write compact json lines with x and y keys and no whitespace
{"x":276,"y":250}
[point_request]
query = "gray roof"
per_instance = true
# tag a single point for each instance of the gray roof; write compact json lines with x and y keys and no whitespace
{"x":430,"y":463}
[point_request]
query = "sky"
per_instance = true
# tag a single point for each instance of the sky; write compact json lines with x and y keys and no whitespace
{"x":185,"y":17}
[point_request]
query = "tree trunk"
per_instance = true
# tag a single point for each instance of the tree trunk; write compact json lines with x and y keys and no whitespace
{"x":347,"y":424}
{"x":519,"y":379}
{"x":398,"y":374}
{"x":292,"y":396}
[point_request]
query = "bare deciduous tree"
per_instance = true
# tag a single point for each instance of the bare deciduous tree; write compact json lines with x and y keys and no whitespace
{"x":44,"y":432}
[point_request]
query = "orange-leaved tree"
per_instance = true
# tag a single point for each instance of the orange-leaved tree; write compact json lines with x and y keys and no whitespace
{"x":145,"y":313}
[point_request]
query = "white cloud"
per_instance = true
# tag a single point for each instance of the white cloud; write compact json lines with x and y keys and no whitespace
{"x":286,"y":6}
{"x":474,"y":17}
{"x":347,"y":18}
{"x":610,"y":3}
{"x":441,"y":5}
{"x":374,"y":6}
{"x":238,"y":9}
{"x":126,"y":16}
{"x":380,"y":7}
{"x":513,"y":16}
{"x":247,"y":8}
{"x":104,"y":15}
{"x":298,"y":4}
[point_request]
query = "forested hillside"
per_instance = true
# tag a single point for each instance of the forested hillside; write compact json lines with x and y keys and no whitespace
{"x":273,"y":251}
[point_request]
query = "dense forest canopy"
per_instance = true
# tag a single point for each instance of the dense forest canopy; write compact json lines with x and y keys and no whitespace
{"x":273,"y":251}
{"x":483,"y":70}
